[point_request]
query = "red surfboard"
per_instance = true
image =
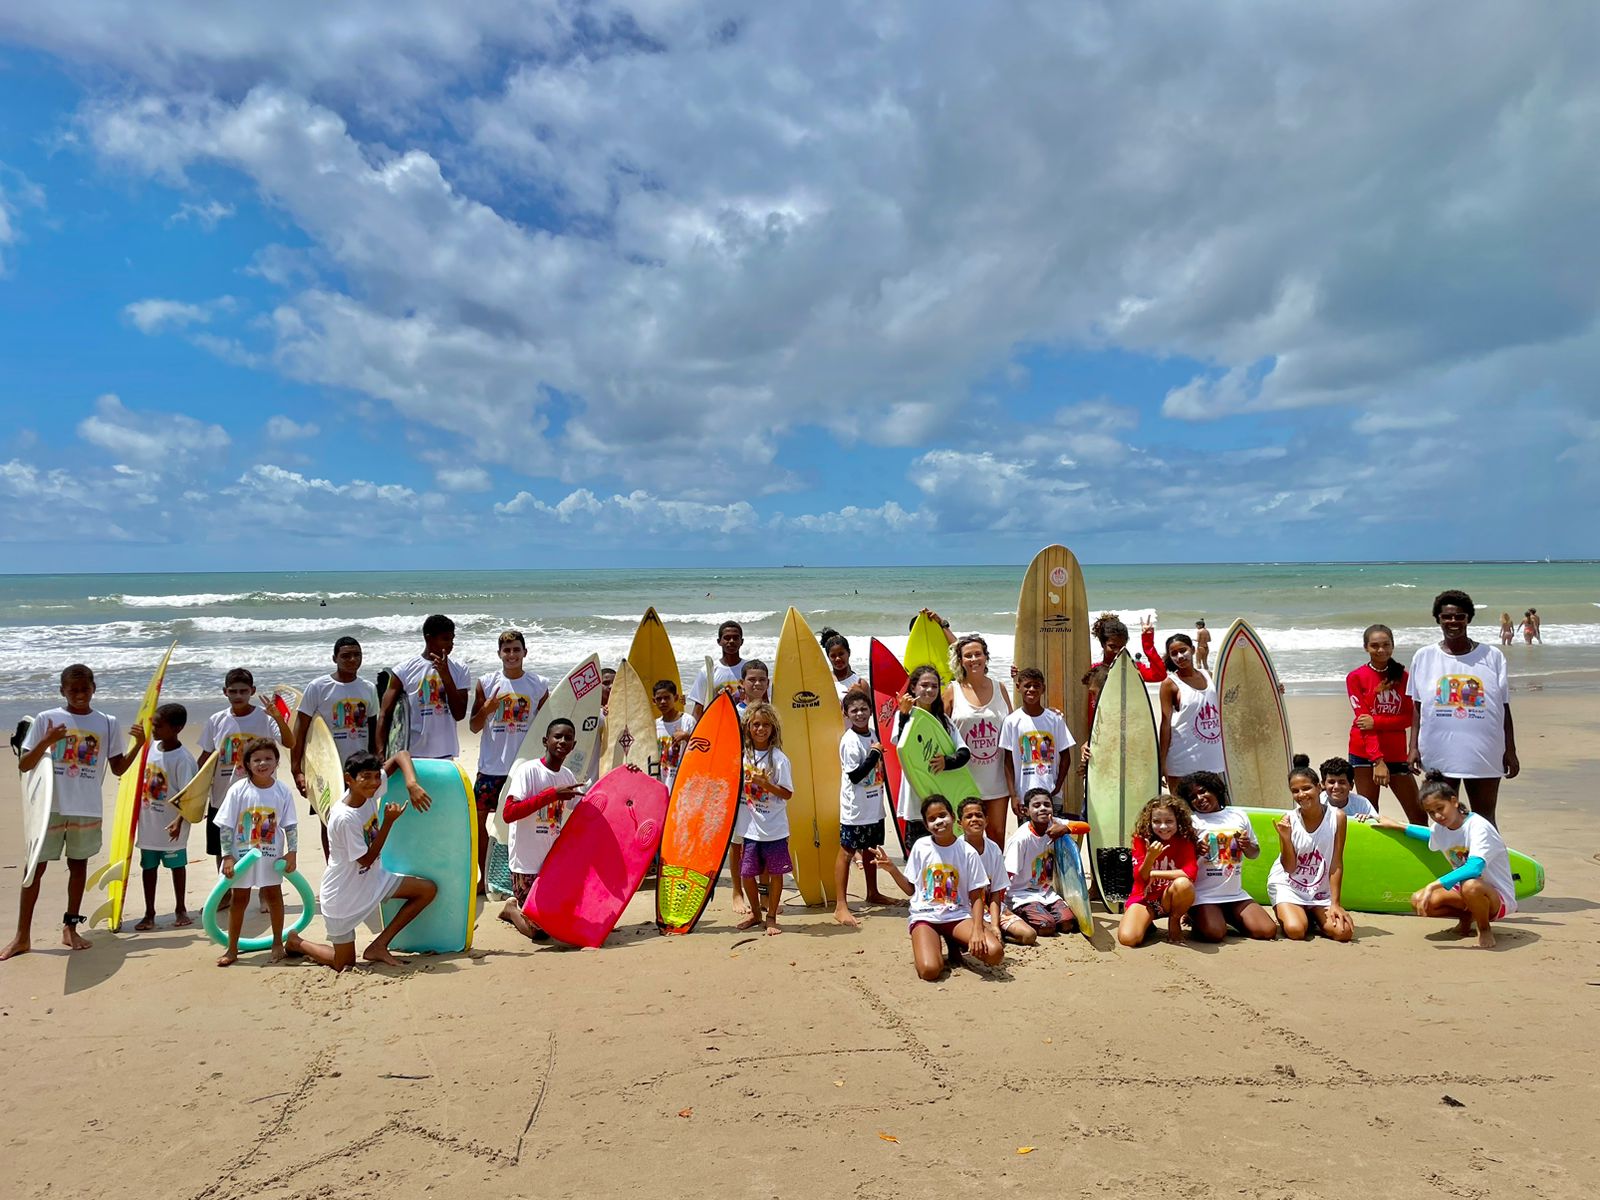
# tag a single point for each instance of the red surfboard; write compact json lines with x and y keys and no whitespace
{"x":888,"y":676}
{"x":599,"y":858}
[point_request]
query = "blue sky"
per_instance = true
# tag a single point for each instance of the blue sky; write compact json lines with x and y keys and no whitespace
{"x":720,"y":283}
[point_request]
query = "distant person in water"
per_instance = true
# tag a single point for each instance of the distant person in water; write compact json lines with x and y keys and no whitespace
{"x":1507,"y":630}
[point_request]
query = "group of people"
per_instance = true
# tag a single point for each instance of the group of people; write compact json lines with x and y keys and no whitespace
{"x":969,"y":887}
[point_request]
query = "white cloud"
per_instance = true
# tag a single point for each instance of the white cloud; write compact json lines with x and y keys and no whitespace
{"x":153,"y":440}
{"x":638,"y":512}
{"x":158,"y":316}
{"x":17,"y":192}
{"x":207,"y":216}
{"x":462,"y":479}
{"x":280,"y":428}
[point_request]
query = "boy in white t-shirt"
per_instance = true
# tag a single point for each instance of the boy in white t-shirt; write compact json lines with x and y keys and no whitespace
{"x":540,"y":793}
{"x":433,"y":688}
{"x":80,"y":740}
{"x":673,"y":728}
{"x":504,"y":705}
{"x":225,"y":734}
{"x":1338,"y":778}
{"x":349,"y":706}
{"x":1035,"y":741}
{"x":1000,"y":924}
{"x":1031,"y":864}
{"x":167,"y":770}
{"x":726,"y":672}
{"x":356,"y":883}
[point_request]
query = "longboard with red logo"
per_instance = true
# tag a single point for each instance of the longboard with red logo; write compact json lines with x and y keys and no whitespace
{"x":888,"y":678}
{"x":1255,"y":726}
{"x":700,"y":815}
{"x":812,"y":724}
{"x":1124,"y":776}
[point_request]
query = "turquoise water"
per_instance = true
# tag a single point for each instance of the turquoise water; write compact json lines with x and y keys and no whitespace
{"x":282,"y":625}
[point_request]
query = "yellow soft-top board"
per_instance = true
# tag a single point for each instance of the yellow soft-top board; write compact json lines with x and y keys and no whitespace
{"x":651,"y":653}
{"x":1053,"y":635}
{"x":1255,"y":727}
{"x":927,"y":646}
{"x":808,"y":709}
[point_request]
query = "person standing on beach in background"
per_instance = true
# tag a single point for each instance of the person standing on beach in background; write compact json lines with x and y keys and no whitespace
{"x":349,"y":705}
{"x":1381,"y":727}
{"x":1462,"y":722}
{"x":726,"y":672}
{"x":755,"y":680}
{"x":1202,"y":645}
{"x":1112,"y":635}
{"x":978,"y":707}
{"x":434,"y":689}
{"x":161,"y":835}
{"x":226,"y":733}
{"x":504,"y":704}
{"x":837,"y":649}
{"x":861,"y":791}
{"x":1527,"y":628}
{"x":85,"y":737}
{"x":1191,"y":722}
{"x":763,"y":820}
{"x":1507,"y":630}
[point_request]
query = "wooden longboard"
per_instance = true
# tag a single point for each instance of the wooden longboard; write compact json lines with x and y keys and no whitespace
{"x":808,"y":707}
{"x":1053,"y":635}
{"x":1124,"y":775}
{"x":1255,"y":725}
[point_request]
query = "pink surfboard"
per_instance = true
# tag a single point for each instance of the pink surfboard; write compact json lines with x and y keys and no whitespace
{"x":599,"y":858}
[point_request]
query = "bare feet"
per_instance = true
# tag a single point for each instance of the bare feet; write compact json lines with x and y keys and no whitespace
{"x":279,"y":953}
{"x":1485,"y":939}
{"x":229,"y":957}
{"x":741,"y":906}
{"x":291,"y":942}
{"x":1176,"y":936}
{"x":376,"y":954}
{"x":147,"y":924}
{"x":19,"y":945}
{"x":889,"y":901}
{"x":773,"y":928}
{"x":1464,"y":927}
{"x":750,"y":921}
{"x":71,"y":940}
{"x":183,"y":921}
{"x":842,"y":916}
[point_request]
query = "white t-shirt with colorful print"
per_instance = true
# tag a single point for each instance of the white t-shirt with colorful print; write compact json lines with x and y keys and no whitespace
{"x":941,"y":878}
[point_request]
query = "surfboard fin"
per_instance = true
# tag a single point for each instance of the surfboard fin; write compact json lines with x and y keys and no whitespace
{"x":113,"y":872}
{"x":103,"y":913}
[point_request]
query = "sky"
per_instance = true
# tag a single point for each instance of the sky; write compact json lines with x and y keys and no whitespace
{"x":402,"y":284}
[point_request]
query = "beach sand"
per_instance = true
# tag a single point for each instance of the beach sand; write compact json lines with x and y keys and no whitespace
{"x":816,"y":1062}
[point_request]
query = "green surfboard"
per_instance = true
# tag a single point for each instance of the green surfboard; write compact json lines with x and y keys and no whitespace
{"x":925,"y":737}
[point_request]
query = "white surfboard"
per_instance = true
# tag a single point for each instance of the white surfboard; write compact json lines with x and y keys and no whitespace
{"x":38,"y":801}
{"x":577,"y":698}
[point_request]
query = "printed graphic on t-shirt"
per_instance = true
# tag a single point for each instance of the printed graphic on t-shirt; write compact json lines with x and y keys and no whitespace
{"x":755,"y":795}
{"x":1042,"y":870}
{"x":1389,"y":702}
{"x":941,"y":883}
{"x":668,"y":751}
{"x":78,"y":753}
{"x":257,"y":829}
{"x":983,"y":739}
{"x":512,"y":709}
{"x":350,"y":715}
{"x":1208,"y":722}
{"x":1461,"y":694}
{"x":369,"y":831}
{"x":155,"y":785}
{"x":430,"y":694}
{"x":1308,"y":868}
{"x":1036,"y":748}
{"x":1457,"y":856}
{"x":1221,"y":848}
{"x":232,"y":751}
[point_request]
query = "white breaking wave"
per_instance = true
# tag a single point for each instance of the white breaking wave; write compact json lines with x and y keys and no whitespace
{"x":206,"y":599}
{"x":710,"y":618}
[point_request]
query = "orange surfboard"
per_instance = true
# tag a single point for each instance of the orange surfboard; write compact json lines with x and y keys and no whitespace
{"x":705,"y":799}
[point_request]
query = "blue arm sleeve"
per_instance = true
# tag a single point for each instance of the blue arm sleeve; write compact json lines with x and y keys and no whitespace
{"x":1470,"y":869}
{"x":1420,"y":832}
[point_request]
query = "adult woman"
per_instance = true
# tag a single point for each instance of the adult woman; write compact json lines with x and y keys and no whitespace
{"x":1378,"y":733}
{"x":1191,"y":723}
{"x":1462,"y":724}
{"x":977,"y":706}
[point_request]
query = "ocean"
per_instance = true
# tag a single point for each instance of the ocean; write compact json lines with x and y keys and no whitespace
{"x":282,"y":625}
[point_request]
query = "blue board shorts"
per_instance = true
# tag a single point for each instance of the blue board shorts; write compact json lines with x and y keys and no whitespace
{"x":173,"y":860}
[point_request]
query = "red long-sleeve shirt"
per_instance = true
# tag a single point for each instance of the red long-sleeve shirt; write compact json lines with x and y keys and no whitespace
{"x":515,"y":810}
{"x":1389,"y":706}
{"x":1152,"y":670}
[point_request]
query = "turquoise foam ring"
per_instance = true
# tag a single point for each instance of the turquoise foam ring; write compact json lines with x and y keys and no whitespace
{"x":208,"y":915}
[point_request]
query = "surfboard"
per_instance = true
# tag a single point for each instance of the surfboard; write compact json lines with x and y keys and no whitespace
{"x":1382,"y":867}
{"x":888,"y":681}
{"x":599,"y":857}
{"x":577,"y":698}
{"x":192,"y":802}
{"x":440,"y":844}
{"x":285,"y":698}
{"x":1071,"y":884}
{"x":323,"y":767}
{"x":1124,"y":775}
{"x":38,"y":802}
{"x":113,"y":877}
{"x":808,"y":707}
{"x":927,"y":646}
{"x":631,"y":725}
{"x":399,"y":720}
{"x":925,"y":738}
{"x":1053,"y":635}
{"x":1255,"y":726}
{"x":651,"y":654}
{"x":700,"y":814}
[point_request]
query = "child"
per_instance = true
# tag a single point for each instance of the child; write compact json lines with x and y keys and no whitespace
{"x":948,"y":896}
{"x":763,"y":820}
{"x":998,"y":921}
{"x":924,"y":690}
{"x":1164,"y":869}
{"x":349,"y":705}
{"x":540,"y":793}
{"x":1034,"y":740}
{"x":754,"y":679}
{"x":837,"y":649}
{"x":1224,"y":839}
{"x":85,"y":737}
{"x":725,"y":673}
{"x":1338,"y":777}
{"x":1479,"y":889}
{"x":861,"y":788}
{"x":504,"y":705}
{"x":673,"y":728}
{"x":1030,"y":862}
{"x":355,"y":882}
{"x":1384,"y":710}
{"x":226,"y":733}
{"x":434,"y":689}
{"x":257,"y":814}
{"x":167,"y":769}
{"x":1303,"y":884}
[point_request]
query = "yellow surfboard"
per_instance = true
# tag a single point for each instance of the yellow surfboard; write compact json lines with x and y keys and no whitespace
{"x":1053,"y":635}
{"x":631,"y":725}
{"x":113,"y":877}
{"x":808,"y":708}
{"x":927,"y":646}
{"x":651,"y":654}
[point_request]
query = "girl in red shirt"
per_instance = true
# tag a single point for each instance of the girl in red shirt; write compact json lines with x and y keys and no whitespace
{"x":1164,"y":867}
{"x":1382,"y":720}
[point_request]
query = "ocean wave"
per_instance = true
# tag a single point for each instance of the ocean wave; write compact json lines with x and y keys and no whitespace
{"x":1407,"y":586}
{"x":711,"y":618}
{"x":207,"y":599}
{"x":407,"y":624}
